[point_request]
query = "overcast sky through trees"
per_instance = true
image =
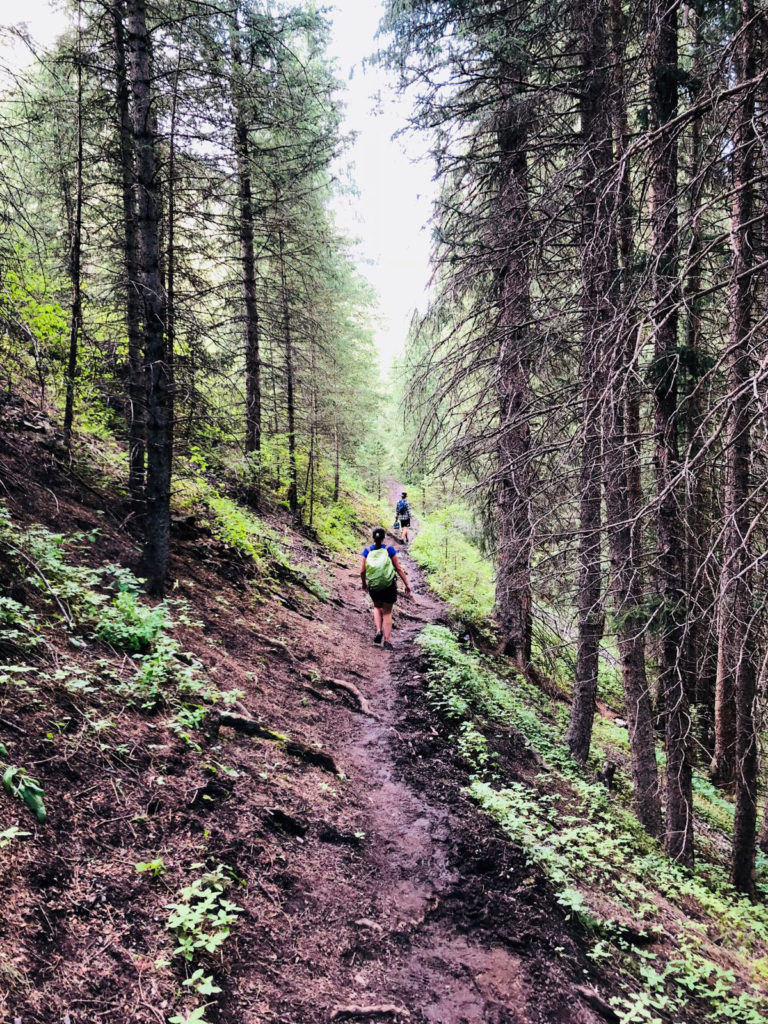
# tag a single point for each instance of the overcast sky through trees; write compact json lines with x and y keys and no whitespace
{"x":388,"y":215}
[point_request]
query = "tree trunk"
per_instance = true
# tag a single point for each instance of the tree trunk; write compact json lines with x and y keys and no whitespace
{"x":247,"y":249}
{"x":293,"y":489}
{"x":514,"y":525}
{"x":699,"y":663}
{"x":136,"y":378}
{"x":170,"y":260}
{"x":598,"y":268}
{"x":336,"y":460}
{"x":158,"y":371}
{"x":616,"y":343}
{"x":75,"y":251}
{"x":662,"y":48}
{"x":737,"y":597}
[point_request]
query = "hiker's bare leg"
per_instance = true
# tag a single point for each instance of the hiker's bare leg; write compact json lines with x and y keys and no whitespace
{"x":377,"y":619}
{"x":386,"y":614}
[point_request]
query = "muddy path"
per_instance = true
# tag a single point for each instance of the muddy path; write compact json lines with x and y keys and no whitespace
{"x":433,"y":917}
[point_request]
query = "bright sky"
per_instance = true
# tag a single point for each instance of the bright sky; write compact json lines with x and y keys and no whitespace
{"x":388,"y":215}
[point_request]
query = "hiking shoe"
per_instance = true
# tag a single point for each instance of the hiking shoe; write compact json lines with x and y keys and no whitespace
{"x":378,"y":638}
{"x":388,"y":646}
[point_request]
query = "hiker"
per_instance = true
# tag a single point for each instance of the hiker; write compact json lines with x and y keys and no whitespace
{"x":377,"y":572}
{"x":403,"y":517}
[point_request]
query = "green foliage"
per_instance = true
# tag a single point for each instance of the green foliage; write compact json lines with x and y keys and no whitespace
{"x":203,"y":917}
{"x":202,"y":983}
{"x":24,"y":787}
{"x":196,"y":1016}
{"x":156,"y":868}
{"x":18,"y":626}
{"x":268,"y":549}
{"x":129,"y":624}
{"x":107,"y":605}
{"x":454,"y":566}
{"x":604,"y":868}
{"x":9,"y":834}
{"x":473,"y":747}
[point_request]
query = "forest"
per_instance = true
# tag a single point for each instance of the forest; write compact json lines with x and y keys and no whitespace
{"x":220,"y":802}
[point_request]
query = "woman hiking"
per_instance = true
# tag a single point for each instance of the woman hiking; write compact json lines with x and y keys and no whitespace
{"x":377,"y":572}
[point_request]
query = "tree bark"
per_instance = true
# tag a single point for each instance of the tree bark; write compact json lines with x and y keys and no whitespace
{"x":621,"y":430}
{"x":738,"y":634}
{"x":159,"y":377}
{"x":698,"y":647}
{"x":136,"y":378}
{"x":336,"y":460}
{"x":247,"y":248}
{"x":75,"y":251}
{"x":662,"y":51}
{"x":293,"y":488}
{"x":598,"y":271}
{"x":514,"y":525}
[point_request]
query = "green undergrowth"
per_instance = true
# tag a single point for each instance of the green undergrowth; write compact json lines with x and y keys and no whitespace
{"x":454,"y":566}
{"x":265,"y":546}
{"x":122,"y":645}
{"x":684,"y":945}
{"x":270,"y":550}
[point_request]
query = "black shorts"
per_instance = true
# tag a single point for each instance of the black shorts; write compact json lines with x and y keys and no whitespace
{"x":386,"y":596}
{"x":405,"y":522}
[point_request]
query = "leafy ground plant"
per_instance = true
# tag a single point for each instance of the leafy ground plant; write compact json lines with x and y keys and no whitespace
{"x":18,"y":784}
{"x":203,"y":917}
{"x":608,"y":874}
{"x":201,"y":920}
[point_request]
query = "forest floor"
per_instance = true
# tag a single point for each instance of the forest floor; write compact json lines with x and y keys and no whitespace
{"x":369,"y":886}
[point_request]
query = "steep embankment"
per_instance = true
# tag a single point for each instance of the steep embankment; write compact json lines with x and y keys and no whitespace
{"x":328,"y":866}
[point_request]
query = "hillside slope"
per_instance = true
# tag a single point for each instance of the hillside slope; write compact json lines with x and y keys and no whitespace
{"x":348,"y":870}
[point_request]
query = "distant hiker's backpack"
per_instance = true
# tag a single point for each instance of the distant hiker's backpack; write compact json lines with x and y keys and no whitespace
{"x":402,"y":509}
{"x":379,"y":571}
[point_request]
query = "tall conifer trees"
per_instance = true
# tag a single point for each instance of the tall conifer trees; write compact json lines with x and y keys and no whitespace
{"x":633,"y":450}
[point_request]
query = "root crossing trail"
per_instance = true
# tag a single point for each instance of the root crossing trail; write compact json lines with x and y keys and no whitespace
{"x":434,"y":917}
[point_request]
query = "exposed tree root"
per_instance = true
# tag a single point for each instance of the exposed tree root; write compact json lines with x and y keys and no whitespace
{"x":386,"y":1010}
{"x":352,"y":690}
{"x":278,"y":644}
{"x":250,"y":727}
{"x":597,"y":1003}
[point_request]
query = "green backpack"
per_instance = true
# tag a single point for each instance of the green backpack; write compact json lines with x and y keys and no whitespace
{"x":379,"y":571}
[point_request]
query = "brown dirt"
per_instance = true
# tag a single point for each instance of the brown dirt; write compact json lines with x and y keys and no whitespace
{"x":383,"y":887}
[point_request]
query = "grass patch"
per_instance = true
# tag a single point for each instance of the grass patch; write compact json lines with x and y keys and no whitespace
{"x":454,"y":567}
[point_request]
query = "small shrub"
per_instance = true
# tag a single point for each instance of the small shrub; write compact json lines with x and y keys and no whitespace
{"x":129,"y":625}
{"x":202,"y":919}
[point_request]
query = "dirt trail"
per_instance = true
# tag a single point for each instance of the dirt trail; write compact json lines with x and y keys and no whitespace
{"x":382,"y":886}
{"x":441,"y":918}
